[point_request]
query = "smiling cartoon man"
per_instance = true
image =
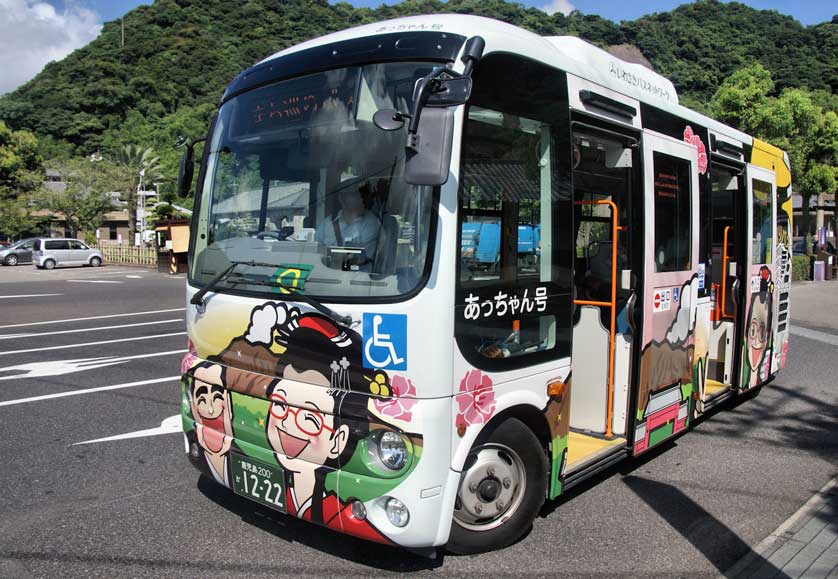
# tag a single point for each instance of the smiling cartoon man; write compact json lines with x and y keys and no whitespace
{"x":212,"y":411}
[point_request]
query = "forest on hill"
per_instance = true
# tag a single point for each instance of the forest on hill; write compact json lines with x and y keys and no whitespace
{"x":165,"y":78}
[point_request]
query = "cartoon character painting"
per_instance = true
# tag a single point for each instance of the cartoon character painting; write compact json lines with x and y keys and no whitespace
{"x":667,"y":368}
{"x":210,"y":404}
{"x":758,"y":332}
{"x":307,"y":427}
{"x":317,"y":397}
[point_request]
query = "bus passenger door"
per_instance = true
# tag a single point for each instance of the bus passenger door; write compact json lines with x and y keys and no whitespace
{"x":758,"y":269}
{"x":670,"y":290}
{"x":726,"y":230}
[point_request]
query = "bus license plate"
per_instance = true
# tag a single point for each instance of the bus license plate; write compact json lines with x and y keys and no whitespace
{"x":258,"y":481}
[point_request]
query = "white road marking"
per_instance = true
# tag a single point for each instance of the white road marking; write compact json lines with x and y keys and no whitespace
{"x":29,"y":296}
{"x":824,"y":337}
{"x":91,"y":343}
{"x":171,"y":425}
{"x":59,"y":367}
{"x":87,"y":391}
{"x":92,"y":318}
{"x":134,"y":276}
{"x":92,"y":281}
{"x":32,"y":334}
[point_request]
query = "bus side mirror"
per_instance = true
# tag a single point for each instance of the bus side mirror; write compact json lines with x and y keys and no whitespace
{"x":185,"y":171}
{"x":428,"y":151}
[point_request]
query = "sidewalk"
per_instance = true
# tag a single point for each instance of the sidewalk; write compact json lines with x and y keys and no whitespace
{"x":804,"y":546}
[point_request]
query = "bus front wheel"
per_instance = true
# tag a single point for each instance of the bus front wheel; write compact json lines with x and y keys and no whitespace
{"x":502,"y":488}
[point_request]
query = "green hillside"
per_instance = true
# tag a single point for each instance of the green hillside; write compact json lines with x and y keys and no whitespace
{"x":178,"y":56}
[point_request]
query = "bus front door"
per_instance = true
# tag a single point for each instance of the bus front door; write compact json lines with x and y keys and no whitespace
{"x":664,"y":379}
{"x":758,"y":271}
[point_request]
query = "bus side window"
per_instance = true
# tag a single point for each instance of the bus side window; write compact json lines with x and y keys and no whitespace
{"x":513,"y":287}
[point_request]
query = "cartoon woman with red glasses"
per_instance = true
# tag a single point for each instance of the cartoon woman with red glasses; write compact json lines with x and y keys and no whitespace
{"x":322,"y":381}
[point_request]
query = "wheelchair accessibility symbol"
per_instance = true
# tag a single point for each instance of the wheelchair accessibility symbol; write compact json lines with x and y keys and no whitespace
{"x":385,"y":341}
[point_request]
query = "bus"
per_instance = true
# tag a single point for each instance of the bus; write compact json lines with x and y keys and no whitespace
{"x":357,"y":359}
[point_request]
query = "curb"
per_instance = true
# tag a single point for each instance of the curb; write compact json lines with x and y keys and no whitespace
{"x":784,"y":533}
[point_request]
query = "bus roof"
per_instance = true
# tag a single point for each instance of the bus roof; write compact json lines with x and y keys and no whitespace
{"x":567,"y":53}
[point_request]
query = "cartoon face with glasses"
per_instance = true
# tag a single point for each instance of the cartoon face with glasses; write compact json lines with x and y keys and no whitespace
{"x":322,"y":380}
{"x":759,"y":322}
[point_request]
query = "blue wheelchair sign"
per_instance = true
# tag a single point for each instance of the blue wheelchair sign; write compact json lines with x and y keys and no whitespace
{"x":385,"y":341}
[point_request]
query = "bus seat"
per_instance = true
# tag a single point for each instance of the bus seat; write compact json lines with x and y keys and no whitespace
{"x":386,"y":247}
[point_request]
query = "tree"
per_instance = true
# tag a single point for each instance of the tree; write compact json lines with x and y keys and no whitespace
{"x":83,"y":197}
{"x":16,"y":217}
{"x":791,"y":121}
{"x":135,"y":168}
{"x":20,"y":175}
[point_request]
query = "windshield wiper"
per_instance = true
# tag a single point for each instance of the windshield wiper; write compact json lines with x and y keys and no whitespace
{"x":198,"y":298}
{"x":323,"y":309}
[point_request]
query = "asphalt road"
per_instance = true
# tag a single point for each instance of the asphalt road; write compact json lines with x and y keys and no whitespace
{"x":132,"y":506}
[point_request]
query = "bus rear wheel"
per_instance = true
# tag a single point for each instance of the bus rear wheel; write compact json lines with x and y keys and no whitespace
{"x":502,"y":488}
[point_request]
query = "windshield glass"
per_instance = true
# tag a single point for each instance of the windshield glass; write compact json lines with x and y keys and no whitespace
{"x":300,"y":180}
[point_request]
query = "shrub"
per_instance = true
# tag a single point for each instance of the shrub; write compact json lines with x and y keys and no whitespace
{"x":801,"y":267}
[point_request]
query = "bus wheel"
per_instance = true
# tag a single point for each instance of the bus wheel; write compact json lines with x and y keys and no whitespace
{"x":502,"y":488}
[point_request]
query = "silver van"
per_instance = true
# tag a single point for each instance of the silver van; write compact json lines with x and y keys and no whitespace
{"x":49,"y":253}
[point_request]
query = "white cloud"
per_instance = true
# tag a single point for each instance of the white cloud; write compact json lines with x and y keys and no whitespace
{"x":563,"y":6}
{"x":34,"y":33}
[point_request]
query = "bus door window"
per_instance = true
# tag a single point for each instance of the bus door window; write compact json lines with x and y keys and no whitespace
{"x":723,"y":265}
{"x":673,"y":231}
{"x":513,"y":294}
{"x":722,"y":270}
{"x":602,"y":172}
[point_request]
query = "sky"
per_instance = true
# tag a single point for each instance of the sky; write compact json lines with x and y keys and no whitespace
{"x":35,"y":32}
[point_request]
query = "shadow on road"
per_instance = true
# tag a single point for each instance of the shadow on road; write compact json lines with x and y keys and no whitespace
{"x":292,"y":530}
{"x":707,"y":534}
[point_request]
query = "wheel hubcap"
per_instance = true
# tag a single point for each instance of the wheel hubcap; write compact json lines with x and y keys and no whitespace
{"x":491,"y":488}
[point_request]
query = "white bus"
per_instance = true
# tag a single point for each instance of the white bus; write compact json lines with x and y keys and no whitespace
{"x":442,"y":269}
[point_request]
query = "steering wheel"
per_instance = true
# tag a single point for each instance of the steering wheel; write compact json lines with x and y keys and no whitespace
{"x":271,"y":234}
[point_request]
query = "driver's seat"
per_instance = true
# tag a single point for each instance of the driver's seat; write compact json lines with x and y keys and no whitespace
{"x":385,"y":249}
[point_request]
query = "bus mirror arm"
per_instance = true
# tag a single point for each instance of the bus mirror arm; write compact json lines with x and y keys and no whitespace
{"x":431,"y":128}
{"x":187,"y":164}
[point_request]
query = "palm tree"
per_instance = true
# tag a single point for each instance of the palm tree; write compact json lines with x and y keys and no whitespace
{"x":137,"y":166}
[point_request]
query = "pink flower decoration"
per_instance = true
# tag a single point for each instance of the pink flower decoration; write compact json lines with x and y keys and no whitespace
{"x":476,"y":399}
{"x":400,"y":403}
{"x":695,"y":141}
{"x":190,"y":358}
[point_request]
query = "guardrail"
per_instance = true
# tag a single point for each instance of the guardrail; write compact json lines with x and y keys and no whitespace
{"x":129,"y":254}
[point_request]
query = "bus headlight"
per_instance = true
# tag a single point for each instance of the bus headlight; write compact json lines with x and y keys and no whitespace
{"x":397,"y":512}
{"x":392,"y":450}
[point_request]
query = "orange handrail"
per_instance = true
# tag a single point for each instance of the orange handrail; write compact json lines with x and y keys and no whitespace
{"x":615,"y":229}
{"x":724,"y":273}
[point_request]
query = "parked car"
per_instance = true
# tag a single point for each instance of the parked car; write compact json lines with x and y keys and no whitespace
{"x":798,"y":247}
{"x":48,"y":253}
{"x":20,"y":252}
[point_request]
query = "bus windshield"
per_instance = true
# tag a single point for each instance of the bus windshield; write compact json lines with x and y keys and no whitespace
{"x":299,"y":181}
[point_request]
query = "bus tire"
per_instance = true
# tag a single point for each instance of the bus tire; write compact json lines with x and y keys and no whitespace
{"x":502,"y":488}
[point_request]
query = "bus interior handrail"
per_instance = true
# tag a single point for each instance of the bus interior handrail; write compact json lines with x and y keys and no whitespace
{"x":612,"y":305}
